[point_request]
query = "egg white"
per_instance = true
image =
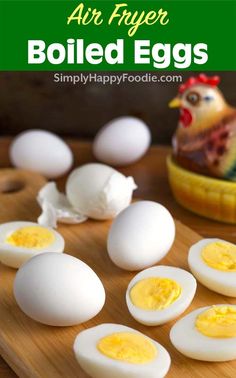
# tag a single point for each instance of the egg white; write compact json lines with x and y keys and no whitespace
{"x":58,"y":290}
{"x":41,"y":151}
{"x":99,"y":191}
{"x":141,"y":235}
{"x":156,"y":317}
{"x":122,"y":141}
{"x":189,"y":341}
{"x":97,"y":365}
{"x":13,"y":256}
{"x":219,"y":281}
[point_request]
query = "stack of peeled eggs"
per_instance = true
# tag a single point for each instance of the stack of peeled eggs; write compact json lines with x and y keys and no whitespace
{"x":57,"y":289}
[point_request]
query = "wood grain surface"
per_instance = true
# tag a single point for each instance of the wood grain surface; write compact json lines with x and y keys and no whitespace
{"x":150,"y":173}
{"x":34,"y":350}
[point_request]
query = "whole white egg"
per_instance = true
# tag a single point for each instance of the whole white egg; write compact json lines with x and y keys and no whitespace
{"x":99,"y":191}
{"x":41,"y":151}
{"x":207,"y":334}
{"x":117,"y":351}
{"x":160,"y":294}
{"x":122,"y":141}
{"x":58,"y":290}
{"x":141,"y":235}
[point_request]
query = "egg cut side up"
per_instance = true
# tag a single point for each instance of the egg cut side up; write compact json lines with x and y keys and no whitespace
{"x":160,"y":294}
{"x":213,"y":263}
{"x":207,"y":334}
{"x":19,"y":241}
{"x":117,"y":351}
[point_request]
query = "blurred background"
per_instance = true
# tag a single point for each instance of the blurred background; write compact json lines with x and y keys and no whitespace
{"x":33,"y":100}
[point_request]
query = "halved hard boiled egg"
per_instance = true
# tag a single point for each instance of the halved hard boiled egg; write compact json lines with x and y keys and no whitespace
{"x":213,"y":263}
{"x":19,"y":241}
{"x":160,"y":294}
{"x":117,"y":351}
{"x":207,"y":334}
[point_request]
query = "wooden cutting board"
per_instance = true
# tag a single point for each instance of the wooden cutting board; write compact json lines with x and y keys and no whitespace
{"x":35,"y":350}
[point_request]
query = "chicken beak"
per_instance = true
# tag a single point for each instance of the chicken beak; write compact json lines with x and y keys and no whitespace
{"x":175,"y":103}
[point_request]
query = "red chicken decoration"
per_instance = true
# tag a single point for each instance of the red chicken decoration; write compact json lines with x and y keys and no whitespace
{"x":205,"y":139}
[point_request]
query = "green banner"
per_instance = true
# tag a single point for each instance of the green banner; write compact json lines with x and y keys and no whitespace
{"x":117,"y":36}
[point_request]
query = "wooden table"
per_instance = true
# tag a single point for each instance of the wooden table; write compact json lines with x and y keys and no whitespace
{"x":151,"y":176}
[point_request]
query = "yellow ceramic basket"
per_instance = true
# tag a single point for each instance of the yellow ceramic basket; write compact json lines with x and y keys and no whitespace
{"x":210,"y":197}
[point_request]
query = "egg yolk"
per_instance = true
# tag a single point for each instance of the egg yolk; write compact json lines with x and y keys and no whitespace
{"x":154,"y":293}
{"x":128,"y":347}
{"x":31,"y":237}
{"x":217,"y":321}
{"x":220,"y":255}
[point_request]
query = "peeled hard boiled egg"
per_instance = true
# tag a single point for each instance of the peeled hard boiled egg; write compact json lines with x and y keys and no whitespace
{"x":122,"y":141}
{"x":41,"y":151}
{"x":160,"y":294}
{"x":99,"y":191}
{"x":117,"y":351}
{"x":141,"y":235}
{"x":19,"y":241}
{"x":207,"y":334}
{"x":92,"y":190}
{"x":213,"y":263}
{"x":58,"y":290}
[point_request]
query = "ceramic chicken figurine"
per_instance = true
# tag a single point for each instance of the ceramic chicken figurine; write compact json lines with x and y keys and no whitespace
{"x":205,"y":140}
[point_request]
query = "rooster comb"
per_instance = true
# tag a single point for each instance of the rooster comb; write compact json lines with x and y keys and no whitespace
{"x":200,"y":79}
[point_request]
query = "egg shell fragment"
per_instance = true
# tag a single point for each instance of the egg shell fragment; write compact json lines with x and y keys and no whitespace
{"x":98,"y":365}
{"x":156,"y":317}
{"x":58,"y":290}
{"x":141,"y":235}
{"x":16,"y":256}
{"x":41,"y":151}
{"x":190,"y":342}
{"x":122,"y":141}
{"x":216,"y":280}
{"x":56,"y":207}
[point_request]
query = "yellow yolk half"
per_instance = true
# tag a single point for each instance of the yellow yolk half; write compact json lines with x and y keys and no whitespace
{"x":217,"y":322}
{"x":220,"y":255}
{"x":31,"y":237}
{"x":128,"y":347}
{"x":154,"y":293}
